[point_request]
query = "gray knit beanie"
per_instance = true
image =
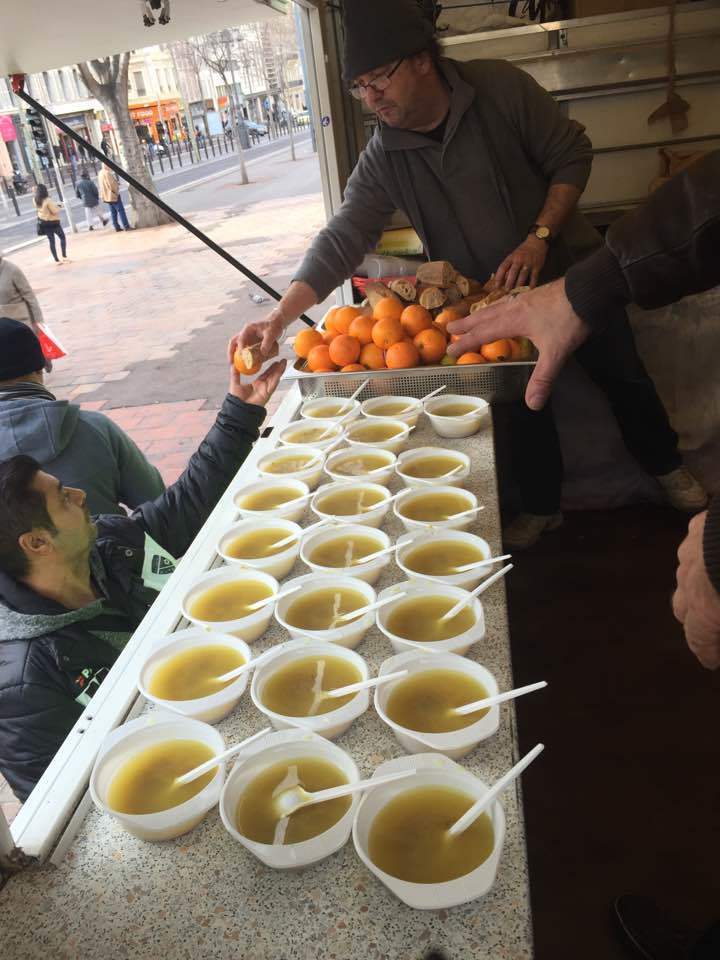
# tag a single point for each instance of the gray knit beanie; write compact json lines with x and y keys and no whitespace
{"x":381,"y":31}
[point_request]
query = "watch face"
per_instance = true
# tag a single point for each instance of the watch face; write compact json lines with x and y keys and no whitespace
{"x":542,"y":233}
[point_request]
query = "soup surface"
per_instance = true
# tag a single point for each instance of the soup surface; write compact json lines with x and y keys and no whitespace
{"x":434,"y":465}
{"x":419,"y":619}
{"x":326,"y":410}
{"x":229,"y":601}
{"x":408,"y":839}
{"x":319,"y":609}
{"x":146,"y":782}
{"x":430,"y":507}
{"x":311,"y":434}
{"x":441,"y":558}
{"x":256,"y":544}
{"x":356,"y":466}
{"x":290,"y":464}
{"x":193,"y":673}
{"x":391,"y":408}
{"x":423,"y":701}
{"x":348,"y":503}
{"x":296,"y":689}
{"x":347,"y":551}
{"x":256,"y":817}
{"x":268,"y":499}
{"x":457,"y":409}
{"x":374,"y":432}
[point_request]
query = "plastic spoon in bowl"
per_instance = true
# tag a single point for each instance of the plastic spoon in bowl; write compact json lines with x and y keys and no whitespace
{"x":442,"y":476}
{"x":374,"y":556}
{"x":258,"y":604}
{"x":481,"y":563}
{"x":299,"y":536}
{"x":354,"y":396}
{"x":433,"y":393}
{"x":481,"y":805}
{"x":497,"y":698}
{"x":287,"y":801}
{"x":453,"y":611}
{"x":362,"y":685}
{"x":246,"y":667}
{"x":214,"y":761}
{"x":465,"y":513}
{"x":383,"y":503}
{"x":370,"y":608}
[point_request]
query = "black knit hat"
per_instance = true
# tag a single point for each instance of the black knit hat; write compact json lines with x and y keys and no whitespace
{"x":20,"y":350}
{"x":381,"y":31}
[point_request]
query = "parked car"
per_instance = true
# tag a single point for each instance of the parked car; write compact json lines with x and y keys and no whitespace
{"x":255,"y":130}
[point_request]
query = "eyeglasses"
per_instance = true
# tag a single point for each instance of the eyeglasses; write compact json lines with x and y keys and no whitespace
{"x":360,"y":90}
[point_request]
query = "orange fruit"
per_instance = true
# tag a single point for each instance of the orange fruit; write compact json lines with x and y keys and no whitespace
{"x":372,"y":357}
{"x":328,"y":336}
{"x":344,"y":350}
{"x":388,"y":309}
{"x":402,"y":354}
{"x":361,"y":328}
{"x":329,"y":318}
{"x":352,"y":367}
{"x":306,"y":340}
{"x":431,"y":345}
{"x":497,"y":351}
{"x":343,"y":318}
{"x":415,"y":318}
{"x":386,"y":332}
{"x":319,"y":360}
{"x":471,"y":358}
{"x":243,"y":368}
{"x":446,"y":316}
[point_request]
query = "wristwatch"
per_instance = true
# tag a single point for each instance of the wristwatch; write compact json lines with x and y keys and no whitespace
{"x":541,"y":232}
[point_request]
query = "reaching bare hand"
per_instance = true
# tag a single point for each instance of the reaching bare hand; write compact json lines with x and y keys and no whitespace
{"x":266,"y":332}
{"x":696,"y":603}
{"x":545,"y":316}
{"x":522,"y":267}
{"x":261,"y":388}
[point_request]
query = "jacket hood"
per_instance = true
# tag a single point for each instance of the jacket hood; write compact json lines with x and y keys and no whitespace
{"x":36,"y":426}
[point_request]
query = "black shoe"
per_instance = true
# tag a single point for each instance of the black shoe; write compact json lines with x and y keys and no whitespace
{"x":118,"y":229}
{"x":104,"y":221}
{"x":91,"y":228}
{"x":651,"y":930}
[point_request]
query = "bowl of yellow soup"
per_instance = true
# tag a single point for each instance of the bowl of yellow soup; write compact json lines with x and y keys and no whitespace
{"x":361,"y":463}
{"x":407,"y":409}
{"x":320,"y":434}
{"x":134,"y":775}
{"x":441,"y":507}
{"x":313,"y":610}
{"x":277,"y":499}
{"x":359,"y":502}
{"x":253,"y":544}
{"x":453,"y":415}
{"x":425,"y":467}
{"x":331,"y":408}
{"x":222,"y":601}
{"x":290,"y":688}
{"x":400,"y":834}
{"x":436,"y":557}
{"x":181,"y":674}
{"x":344,"y":550}
{"x":415,"y":620}
{"x":418,"y":706}
{"x":381,"y":433}
{"x":308,"y":835}
{"x":293,"y":463}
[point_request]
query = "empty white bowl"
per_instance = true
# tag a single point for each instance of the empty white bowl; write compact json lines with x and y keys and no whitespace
{"x":421,"y":453}
{"x":413,"y":408}
{"x":247,"y":628}
{"x":432,"y":770}
{"x":347,"y":409}
{"x":210,"y":709}
{"x":369,"y":572}
{"x":288,"y":745}
{"x":319,"y":434}
{"x":380,"y":475}
{"x":459,"y":426}
{"x":459,"y":644}
{"x":455,"y":743}
{"x":331,"y":724}
{"x":348,"y":635}
{"x":291,"y":510}
{"x":137,"y":735}
{"x":468,"y":580}
{"x":372,"y":517}
{"x":354,"y":435}
{"x":309,"y":474}
{"x":279,"y":564}
{"x":459,"y":523}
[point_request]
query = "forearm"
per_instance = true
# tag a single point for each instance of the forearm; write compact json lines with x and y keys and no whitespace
{"x":560,"y":202}
{"x":298,"y":298}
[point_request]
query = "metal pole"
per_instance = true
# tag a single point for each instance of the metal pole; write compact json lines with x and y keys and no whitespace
{"x":236,"y":122}
{"x":287,"y":109}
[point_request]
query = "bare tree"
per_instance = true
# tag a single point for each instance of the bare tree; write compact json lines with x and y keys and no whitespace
{"x":107,"y":81}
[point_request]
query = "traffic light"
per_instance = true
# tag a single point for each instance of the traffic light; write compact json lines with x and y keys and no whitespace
{"x":37,"y":129}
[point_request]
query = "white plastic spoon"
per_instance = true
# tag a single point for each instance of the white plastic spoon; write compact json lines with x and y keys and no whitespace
{"x":258,"y":604}
{"x":481,"y":563}
{"x":442,"y":476}
{"x":374,"y":556}
{"x":465,"y":513}
{"x":481,"y":805}
{"x":354,"y":396}
{"x":301,"y":535}
{"x":497,"y":698}
{"x":288,"y":801}
{"x":382,"y":503}
{"x":246,"y":667}
{"x":214,"y":761}
{"x":475,"y":593}
{"x":361,"y":611}
{"x":362,"y":685}
{"x":433,"y":393}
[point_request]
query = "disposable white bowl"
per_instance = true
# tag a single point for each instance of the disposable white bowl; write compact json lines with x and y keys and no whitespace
{"x":348,"y":635}
{"x":330,"y":725}
{"x":130,"y":739}
{"x":334,"y":430}
{"x":455,"y":426}
{"x":412,"y":526}
{"x":369,"y":572}
{"x":394,"y":444}
{"x":247,"y":628}
{"x":383,"y":473}
{"x":459,"y":644}
{"x":419,"y":453}
{"x":433,"y":770}
{"x":456,"y":743}
{"x":280,"y":564}
{"x":211,"y":709}
{"x":467,"y":581}
{"x":292,"y":510}
{"x":415,"y":408}
{"x":371,"y":518}
{"x":310,"y":474}
{"x":310,"y":410}
{"x":288,"y":745}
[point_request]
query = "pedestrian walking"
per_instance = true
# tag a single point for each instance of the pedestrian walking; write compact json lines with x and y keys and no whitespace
{"x":110,"y":193}
{"x":48,"y":224}
{"x":88,"y":193}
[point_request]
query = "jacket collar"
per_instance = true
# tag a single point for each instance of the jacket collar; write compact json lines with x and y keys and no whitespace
{"x":25,"y":390}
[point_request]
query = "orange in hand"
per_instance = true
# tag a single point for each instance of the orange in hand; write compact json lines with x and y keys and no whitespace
{"x":431,"y":345}
{"x":388,"y":309}
{"x":361,"y":328}
{"x":402,"y":354}
{"x":306,"y":340}
{"x":414,"y":319}
{"x":386,"y":332}
{"x":319,"y":360}
{"x":497,"y":351}
{"x":247,"y":361}
{"x":344,"y":350}
{"x":372,"y":357}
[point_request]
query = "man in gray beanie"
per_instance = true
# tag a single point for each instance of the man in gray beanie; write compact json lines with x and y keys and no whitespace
{"x":489,"y":172}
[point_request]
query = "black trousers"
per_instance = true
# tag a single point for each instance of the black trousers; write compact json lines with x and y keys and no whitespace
{"x":51,"y":230}
{"x":611,"y":360}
